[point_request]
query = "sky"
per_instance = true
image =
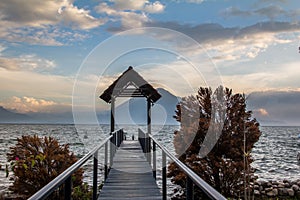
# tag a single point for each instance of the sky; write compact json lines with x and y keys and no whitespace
{"x":57,"y":53}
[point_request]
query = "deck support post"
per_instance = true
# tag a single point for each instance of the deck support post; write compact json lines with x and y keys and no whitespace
{"x":68,"y":188}
{"x":189,"y":189}
{"x":95,"y":176}
{"x":154,"y":160}
{"x":105,"y":161}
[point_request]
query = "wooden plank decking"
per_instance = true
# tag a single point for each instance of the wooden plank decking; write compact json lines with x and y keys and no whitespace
{"x":130,"y":176}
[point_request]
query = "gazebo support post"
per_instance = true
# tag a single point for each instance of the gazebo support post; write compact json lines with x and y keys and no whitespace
{"x":148,"y":143}
{"x":112,"y":129}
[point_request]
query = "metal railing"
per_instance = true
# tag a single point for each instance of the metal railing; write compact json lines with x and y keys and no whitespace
{"x":65,"y":177}
{"x":192,"y":177}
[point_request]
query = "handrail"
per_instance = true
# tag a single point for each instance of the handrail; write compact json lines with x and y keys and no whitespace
{"x":205,"y":187}
{"x":65,"y":177}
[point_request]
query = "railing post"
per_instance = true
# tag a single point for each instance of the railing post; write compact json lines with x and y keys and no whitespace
{"x":149,"y":149}
{"x":68,"y":188}
{"x":164,"y":176}
{"x":154,"y":160}
{"x":111,"y":151}
{"x":115,"y":143}
{"x":146,"y":146}
{"x":105,"y":161}
{"x":117,"y":138}
{"x":189,"y":188}
{"x":95,"y":176}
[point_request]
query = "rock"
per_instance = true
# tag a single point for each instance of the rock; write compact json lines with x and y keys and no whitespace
{"x":268,"y":189}
{"x":261,"y":188}
{"x":295,"y":188}
{"x":262,"y":183}
{"x":282,"y":191}
{"x":287,"y":185}
{"x":291,"y":192}
{"x":298,"y":194}
{"x":275,"y":191}
{"x":270,"y":194}
{"x":256,"y":187}
{"x":274,"y":183}
{"x":280,"y":185}
{"x":256,"y":193}
{"x":269,"y":184}
{"x":298,"y":183}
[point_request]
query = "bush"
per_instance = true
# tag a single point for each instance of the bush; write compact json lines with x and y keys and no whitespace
{"x":36,"y":161}
{"x":226,"y":164}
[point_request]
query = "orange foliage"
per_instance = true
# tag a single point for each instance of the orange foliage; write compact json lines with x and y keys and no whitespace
{"x":36,"y":161}
{"x":226,"y":166}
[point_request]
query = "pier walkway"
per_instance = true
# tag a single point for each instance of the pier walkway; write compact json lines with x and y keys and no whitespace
{"x":130,"y":176}
{"x":129,"y":166}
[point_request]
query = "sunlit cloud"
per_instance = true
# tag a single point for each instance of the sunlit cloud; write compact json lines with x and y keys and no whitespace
{"x":234,"y":43}
{"x":38,"y":85}
{"x":261,"y":112}
{"x":281,"y":78}
{"x":36,"y":21}
{"x":131,"y":14}
{"x":27,"y":63}
{"x":33,"y":105}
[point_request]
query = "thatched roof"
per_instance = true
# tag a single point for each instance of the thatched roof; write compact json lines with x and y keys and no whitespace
{"x":130,"y":84}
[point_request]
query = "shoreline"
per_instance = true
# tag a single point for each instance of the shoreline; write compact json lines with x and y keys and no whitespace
{"x":282,"y":189}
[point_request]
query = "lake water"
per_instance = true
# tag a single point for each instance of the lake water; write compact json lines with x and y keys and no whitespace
{"x":275,"y":154}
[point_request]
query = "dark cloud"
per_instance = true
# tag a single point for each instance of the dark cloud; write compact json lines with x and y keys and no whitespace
{"x":212,"y":32}
{"x":270,"y":11}
{"x":281,"y":106}
{"x":235,"y":11}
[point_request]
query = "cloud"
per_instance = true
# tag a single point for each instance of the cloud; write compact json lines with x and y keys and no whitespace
{"x":270,"y":11}
{"x":35,"y":13}
{"x":283,"y":106}
{"x":27,"y":63}
{"x":22,"y":22}
{"x":261,"y":112}
{"x":28,"y":104}
{"x":128,"y":4}
{"x":155,"y":7}
{"x":190,"y":1}
{"x":33,"y":84}
{"x":234,"y":43}
{"x":131,"y":14}
{"x":259,"y":76}
{"x":141,"y":5}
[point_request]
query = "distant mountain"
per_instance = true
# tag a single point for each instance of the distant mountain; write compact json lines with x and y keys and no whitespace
{"x":275,"y":108}
{"x":51,"y":118}
{"x":272,"y":108}
{"x":134,"y":111}
{"x":12,"y":117}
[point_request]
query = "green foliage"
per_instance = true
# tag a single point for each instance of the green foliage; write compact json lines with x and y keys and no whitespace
{"x":82,"y":192}
{"x":36,"y":161}
{"x":225,"y":165}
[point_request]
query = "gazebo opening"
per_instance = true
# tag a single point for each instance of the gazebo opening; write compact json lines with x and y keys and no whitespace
{"x":130,"y":84}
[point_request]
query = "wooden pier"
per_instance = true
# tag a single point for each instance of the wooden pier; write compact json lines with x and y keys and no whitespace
{"x":130,"y":176}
